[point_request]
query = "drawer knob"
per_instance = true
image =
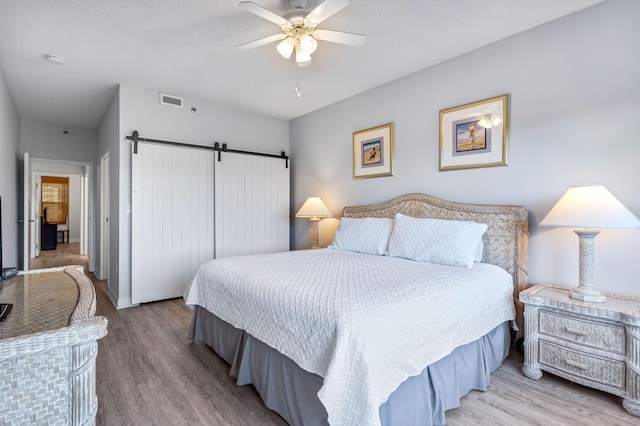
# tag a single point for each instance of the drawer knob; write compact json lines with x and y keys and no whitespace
{"x":575,"y":364}
{"x":576,"y":331}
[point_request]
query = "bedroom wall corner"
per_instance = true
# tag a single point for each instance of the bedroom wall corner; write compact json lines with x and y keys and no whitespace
{"x":108,"y":132}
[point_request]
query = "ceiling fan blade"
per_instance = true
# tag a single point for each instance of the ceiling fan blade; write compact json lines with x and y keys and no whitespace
{"x":350,"y":39}
{"x":256,"y":9}
{"x":262,"y":41}
{"x":325,"y":10}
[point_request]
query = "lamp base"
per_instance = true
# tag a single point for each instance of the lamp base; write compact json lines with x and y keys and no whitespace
{"x":314,"y":231}
{"x":587,"y":295}
{"x":586,"y":291}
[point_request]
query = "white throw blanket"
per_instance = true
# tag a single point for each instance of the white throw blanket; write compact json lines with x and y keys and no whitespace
{"x":364,"y":323}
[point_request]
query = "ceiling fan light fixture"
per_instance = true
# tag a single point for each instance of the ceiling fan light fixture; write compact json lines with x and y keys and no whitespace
{"x":299,"y":29}
{"x":285,"y":47}
{"x":302,"y":58}
{"x":308,"y":44}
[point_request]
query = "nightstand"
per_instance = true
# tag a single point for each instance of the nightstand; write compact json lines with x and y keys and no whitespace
{"x":593,"y":344}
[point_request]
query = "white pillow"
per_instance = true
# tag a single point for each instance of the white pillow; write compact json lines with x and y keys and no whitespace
{"x":444,"y":242}
{"x":368,"y":235}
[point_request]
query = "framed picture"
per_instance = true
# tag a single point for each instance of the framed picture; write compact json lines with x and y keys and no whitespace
{"x":475,"y":134}
{"x":373,"y":152}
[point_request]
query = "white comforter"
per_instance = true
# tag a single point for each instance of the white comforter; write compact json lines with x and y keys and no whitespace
{"x":364,"y":323}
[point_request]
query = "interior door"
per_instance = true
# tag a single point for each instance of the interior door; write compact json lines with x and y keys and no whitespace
{"x":84,"y":214}
{"x":171,"y":219}
{"x":26,"y":217}
{"x":36,"y":200}
{"x":104,"y":217}
{"x":251,"y":205}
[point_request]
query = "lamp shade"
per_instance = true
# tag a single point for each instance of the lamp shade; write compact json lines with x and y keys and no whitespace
{"x":590,"y":207}
{"x":308,"y":44}
{"x":285,"y":47}
{"x":313,"y":208}
{"x":302,"y":58}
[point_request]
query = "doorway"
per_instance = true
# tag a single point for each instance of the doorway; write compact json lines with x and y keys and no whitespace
{"x":74,"y":241}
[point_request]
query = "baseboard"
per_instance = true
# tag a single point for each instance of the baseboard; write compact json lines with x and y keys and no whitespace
{"x":120,"y":303}
{"x":112,"y":297}
{"x":125,"y":302}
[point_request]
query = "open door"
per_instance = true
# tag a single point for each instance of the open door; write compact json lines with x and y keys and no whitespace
{"x":26,"y":220}
{"x":36,"y":198}
{"x":84,"y":215}
{"x":104,"y":218}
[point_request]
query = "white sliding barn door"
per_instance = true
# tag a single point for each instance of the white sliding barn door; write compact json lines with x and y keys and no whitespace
{"x":172,"y":219}
{"x":251,"y":205}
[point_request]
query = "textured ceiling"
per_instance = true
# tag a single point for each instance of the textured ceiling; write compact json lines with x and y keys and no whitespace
{"x":188,"y":48}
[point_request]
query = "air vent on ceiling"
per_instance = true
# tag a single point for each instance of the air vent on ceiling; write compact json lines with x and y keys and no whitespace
{"x":171,"y":100}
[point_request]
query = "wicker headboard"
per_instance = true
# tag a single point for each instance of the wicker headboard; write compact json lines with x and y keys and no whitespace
{"x":505,"y":242}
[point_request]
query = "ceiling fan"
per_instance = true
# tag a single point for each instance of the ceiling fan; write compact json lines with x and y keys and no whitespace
{"x":299,"y":29}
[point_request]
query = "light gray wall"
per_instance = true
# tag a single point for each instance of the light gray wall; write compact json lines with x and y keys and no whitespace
{"x":109,"y":142}
{"x":9,"y":160}
{"x":575,"y":107}
{"x":56,"y":167}
{"x":75,"y":208}
{"x":140,"y":110}
{"x":46,"y":140}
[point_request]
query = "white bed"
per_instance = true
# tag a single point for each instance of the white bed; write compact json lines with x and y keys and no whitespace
{"x":340,"y":337}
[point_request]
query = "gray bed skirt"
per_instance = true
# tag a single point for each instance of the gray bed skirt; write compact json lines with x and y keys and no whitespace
{"x":292,"y":392}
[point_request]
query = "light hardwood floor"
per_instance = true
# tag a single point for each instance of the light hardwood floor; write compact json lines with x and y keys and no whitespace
{"x":64,"y":254}
{"x":149,"y":374}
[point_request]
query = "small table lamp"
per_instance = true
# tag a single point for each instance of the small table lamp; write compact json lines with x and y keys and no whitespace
{"x":314,"y":210}
{"x":587,"y":209}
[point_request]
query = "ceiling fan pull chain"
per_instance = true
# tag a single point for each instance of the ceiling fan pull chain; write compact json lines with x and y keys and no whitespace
{"x":298,"y":88}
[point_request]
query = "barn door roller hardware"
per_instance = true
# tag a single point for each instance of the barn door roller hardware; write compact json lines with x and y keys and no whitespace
{"x":220,"y":148}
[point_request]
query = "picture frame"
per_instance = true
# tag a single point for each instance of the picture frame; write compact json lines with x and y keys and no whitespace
{"x":475,"y":134}
{"x":373,"y":152}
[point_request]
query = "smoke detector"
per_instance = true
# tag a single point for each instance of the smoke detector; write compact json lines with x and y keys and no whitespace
{"x":55,"y":59}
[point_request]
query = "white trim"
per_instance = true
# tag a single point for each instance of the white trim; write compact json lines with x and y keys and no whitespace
{"x":104,"y":194}
{"x":38,"y":271}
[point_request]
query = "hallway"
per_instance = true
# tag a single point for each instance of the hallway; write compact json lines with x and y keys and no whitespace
{"x":64,"y":254}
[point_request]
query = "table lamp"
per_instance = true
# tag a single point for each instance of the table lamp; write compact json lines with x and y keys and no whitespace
{"x":588,"y":209}
{"x":314,"y":210}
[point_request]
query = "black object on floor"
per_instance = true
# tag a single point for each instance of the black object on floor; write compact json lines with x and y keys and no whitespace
{"x":9,"y":272}
{"x":520,"y":346}
{"x":5,"y":308}
{"x":48,"y":236}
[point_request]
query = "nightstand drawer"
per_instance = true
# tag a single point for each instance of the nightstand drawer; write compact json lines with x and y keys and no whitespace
{"x":597,"y":335}
{"x":605,"y":371}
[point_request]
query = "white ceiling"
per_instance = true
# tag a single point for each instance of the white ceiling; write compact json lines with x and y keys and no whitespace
{"x":188,"y":48}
